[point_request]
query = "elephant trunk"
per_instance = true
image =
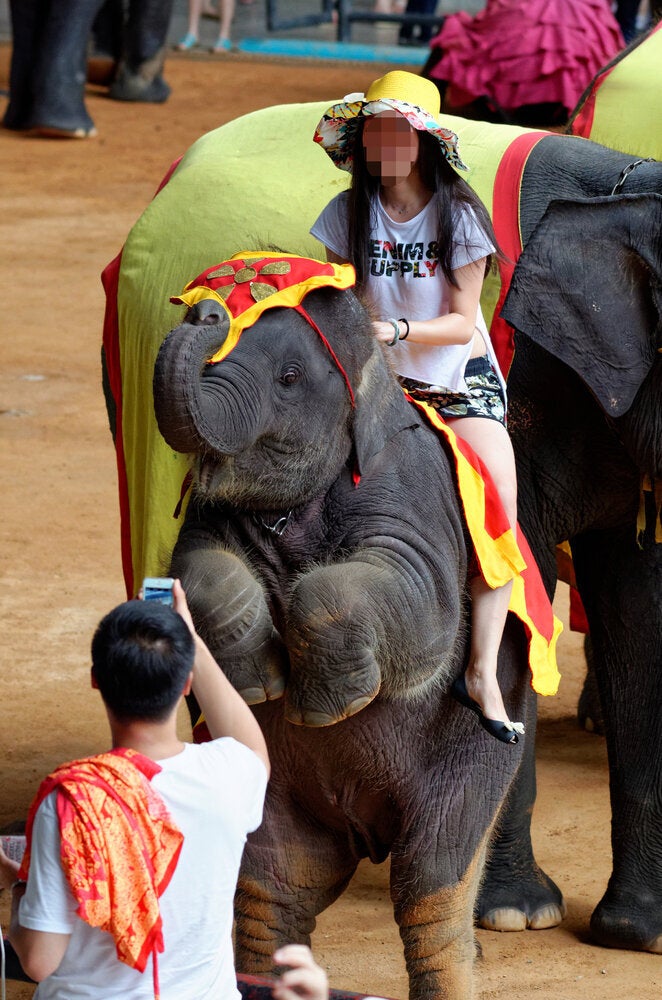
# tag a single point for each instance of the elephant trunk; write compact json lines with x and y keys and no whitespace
{"x":193,"y":411}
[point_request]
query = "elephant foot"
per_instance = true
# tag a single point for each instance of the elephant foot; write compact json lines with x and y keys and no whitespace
{"x":631,"y":921}
{"x":513,"y":919}
{"x":258,"y":680}
{"x":133,"y":87}
{"x":256,"y":693}
{"x":58,"y":109}
{"x":61,"y":123}
{"x":16,"y":117}
{"x":318,"y":700}
{"x":532,"y":901}
{"x":51,"y":132}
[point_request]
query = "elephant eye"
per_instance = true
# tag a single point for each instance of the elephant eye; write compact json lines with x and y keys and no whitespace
{"x":289,"y":375}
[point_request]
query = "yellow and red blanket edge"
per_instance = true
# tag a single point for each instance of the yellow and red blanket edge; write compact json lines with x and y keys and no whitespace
{"x":502,"y":557}
{"x":506,"y":198}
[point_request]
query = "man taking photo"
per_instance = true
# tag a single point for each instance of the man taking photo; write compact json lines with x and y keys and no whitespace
{"x":127,"y":885}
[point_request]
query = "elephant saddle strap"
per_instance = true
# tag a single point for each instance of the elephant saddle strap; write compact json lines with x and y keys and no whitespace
{"x":501,"y":556}
{"x":118,"y":848}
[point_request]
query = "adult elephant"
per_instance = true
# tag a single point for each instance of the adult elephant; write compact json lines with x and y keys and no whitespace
{"x":49,"y":60}
{"x":330,"y":584}
{"x":586,"y":421}
{"x":518,"y":173}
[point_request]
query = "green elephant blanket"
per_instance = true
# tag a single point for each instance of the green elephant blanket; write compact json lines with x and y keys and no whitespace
{"x":621,"y":107}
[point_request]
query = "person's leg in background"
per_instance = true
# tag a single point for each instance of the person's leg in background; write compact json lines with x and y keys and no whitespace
{"x":408,"y":35}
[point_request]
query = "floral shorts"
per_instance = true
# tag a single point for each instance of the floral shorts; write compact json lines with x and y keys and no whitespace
{"x":483,"y":399}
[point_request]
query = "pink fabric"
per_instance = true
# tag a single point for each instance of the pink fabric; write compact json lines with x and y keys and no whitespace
{"x":517,"y":52}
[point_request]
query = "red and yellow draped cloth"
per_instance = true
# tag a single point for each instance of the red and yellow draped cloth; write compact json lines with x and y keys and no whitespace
{"x":110,"y":279}
{"x":506,"y":219}
{"x":119,"y":848}
{"x":502,"y":556}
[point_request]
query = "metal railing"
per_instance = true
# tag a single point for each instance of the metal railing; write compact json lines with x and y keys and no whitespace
{"x":344,"y":15}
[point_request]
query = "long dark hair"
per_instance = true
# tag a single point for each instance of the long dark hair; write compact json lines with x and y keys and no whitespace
{"x":449,"y":192}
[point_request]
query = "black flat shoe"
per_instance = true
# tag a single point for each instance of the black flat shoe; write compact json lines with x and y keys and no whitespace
{"x":499,"y":730}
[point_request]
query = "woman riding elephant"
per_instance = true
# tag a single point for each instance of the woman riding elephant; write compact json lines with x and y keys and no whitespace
{"x":405,"y":191}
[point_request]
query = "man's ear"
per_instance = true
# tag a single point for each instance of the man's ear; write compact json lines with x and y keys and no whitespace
{"x":188,"y":685}
{"x":93,"y":680}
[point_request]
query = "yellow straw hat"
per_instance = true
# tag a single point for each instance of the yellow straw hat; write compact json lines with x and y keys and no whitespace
{"x":414,"y":97}
{"x":407,"y":88}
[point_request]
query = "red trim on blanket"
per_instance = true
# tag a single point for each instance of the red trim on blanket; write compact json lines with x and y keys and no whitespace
{"x":505,"y":217}
{"x":111,"y":344}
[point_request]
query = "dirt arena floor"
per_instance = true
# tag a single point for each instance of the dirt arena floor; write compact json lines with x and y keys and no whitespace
{"x":65,"y":210}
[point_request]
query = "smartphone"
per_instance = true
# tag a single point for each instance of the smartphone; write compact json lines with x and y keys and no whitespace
{"x":158,"y":588}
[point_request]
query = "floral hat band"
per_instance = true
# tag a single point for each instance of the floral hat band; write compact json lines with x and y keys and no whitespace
{"x":414,"y":97}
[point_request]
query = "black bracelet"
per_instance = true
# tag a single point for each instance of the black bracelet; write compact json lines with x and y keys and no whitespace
{"x":406,"y":322}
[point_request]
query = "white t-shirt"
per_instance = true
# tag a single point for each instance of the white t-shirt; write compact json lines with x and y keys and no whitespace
{"x":214,"y":793}
{"x":404,"y":278}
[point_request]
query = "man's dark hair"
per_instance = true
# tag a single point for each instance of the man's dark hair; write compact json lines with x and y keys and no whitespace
{"x":142,"y":653}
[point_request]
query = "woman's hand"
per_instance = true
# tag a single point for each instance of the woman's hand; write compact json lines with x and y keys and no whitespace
{"x":383,"y":331}
{"x":457,"y":326}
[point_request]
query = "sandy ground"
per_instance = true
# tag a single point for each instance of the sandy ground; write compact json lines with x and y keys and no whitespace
{"x":65,"y":210}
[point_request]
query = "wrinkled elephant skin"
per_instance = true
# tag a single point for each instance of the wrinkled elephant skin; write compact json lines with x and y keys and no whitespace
{"x":354,"y":611}
{"x":579,"y":463}
{"x":585,"y":394}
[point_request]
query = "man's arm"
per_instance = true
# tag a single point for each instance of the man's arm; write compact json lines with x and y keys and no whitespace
{"x":39,"y":952}
{"x":225,"y":711}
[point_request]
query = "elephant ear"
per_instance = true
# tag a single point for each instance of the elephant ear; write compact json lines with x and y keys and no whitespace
{"x":587,"y":288}
{"x":381,"y":410}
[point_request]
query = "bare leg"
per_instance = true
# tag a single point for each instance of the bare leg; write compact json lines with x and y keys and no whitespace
{"x":225,"y":15}
{"x":489,"y":611}
{"x":194,"y":12}
{"x":490,"y":440}
{"x":191,"y":36}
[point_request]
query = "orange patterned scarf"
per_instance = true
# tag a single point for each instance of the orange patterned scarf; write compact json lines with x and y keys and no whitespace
{"x":112,"y":821}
